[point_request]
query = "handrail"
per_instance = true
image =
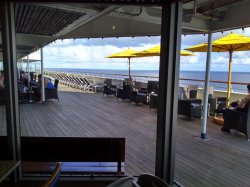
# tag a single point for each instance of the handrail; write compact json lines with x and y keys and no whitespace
{"x":214,"y":81}
{"x":145,"y":76}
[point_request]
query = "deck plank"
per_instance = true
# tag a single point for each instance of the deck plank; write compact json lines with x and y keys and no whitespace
{"x":222,"y":160}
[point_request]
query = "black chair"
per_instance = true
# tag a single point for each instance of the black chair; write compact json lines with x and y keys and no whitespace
{"x":153,"y":86}
{"x":109,"y":90}
{"x":216,"y":104}
{"x":140,"y":96}
{"x":2,"y":96}
{"x":124,"y":93}
{"x":23,"y":94}
{"x":237,"y":120}
{"x":53,"y":180}
{"x":153,"y":101}
{"x":189,"y":107}
{"x":148,"y":180}
{"x":51,"y":93}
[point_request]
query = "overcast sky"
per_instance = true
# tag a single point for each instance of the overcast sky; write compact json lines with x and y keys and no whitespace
{"x":91,"y":53}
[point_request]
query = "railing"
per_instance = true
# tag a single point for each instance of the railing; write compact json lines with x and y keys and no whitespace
{"x":218,"y":85}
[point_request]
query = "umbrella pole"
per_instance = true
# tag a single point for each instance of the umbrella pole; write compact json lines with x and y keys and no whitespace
{"x":129,"y":68}
{"x":229,"y":77}
{"x":42,"y":78}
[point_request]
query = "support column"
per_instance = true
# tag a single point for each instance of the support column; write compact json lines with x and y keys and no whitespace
{"x":42,"y":78}
{"x":28,"y":70}
{"x":206,"y":88}
{"x":10,"y":77}
{"x":168,"y":90}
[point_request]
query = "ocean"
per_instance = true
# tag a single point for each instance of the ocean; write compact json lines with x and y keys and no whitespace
{"x":145,"y":75}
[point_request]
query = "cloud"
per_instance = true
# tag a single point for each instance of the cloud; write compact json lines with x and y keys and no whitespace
{"x":91,"y":53}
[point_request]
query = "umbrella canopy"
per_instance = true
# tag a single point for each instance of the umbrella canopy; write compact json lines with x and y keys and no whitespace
{"x":127,"y":53}
{"x":155,"y":51}
{"x":230,"y":43}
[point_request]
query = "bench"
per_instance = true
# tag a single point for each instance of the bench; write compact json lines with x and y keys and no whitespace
{"x":85,"y":156}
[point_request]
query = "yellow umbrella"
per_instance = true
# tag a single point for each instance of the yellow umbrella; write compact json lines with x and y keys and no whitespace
{"x":230,"y":43}
{"x":128,"y":53}
{"x":155,"y":51}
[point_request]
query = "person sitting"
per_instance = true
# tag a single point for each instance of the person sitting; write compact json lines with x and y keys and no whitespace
{"x":239,"y":106}
{"x":244,"y":102}
{"x":50,"y":85}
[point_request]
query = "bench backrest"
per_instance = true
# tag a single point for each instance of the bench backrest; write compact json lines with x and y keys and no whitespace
{"x":69,"y":149}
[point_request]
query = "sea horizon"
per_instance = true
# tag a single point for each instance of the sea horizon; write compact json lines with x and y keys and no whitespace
{"x":142,"y":70}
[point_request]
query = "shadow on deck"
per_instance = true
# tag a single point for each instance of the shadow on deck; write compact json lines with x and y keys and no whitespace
{"x":221,"y":160}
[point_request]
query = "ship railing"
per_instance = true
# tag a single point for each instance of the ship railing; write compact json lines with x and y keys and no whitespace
{"x":218,"y":85}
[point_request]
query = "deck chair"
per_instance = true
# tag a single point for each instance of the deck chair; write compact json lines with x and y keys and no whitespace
{"x":188,"y":107}
{"x":53,"y":180}
{"x":238,"y":120}
{"x":192,"y":91}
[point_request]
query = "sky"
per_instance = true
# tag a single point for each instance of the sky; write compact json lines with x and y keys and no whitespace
{"x":91,"y":53}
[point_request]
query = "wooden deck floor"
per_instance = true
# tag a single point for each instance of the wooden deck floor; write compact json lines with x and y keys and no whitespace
{"x":221,"y":160}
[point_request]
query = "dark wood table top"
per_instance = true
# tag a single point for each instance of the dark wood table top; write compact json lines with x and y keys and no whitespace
{"x":7,"y":167}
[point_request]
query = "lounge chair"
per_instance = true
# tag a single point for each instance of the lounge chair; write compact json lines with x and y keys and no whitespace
{"x":109,"y":90}
{"x":216,"y":104}
{"x":153,"y":86}
{"x":189,"y":107}
{"x":237,"y":120}
{"x":51,"y":93}
{"x":124,"y":93}
{"x":92,"y":86}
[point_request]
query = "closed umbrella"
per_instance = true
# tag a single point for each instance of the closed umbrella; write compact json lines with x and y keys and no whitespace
{"x":128,"y":53}
{"x":230,"y":43}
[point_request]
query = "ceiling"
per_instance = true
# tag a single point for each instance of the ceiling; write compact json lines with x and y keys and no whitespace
{"x":38,"y":24}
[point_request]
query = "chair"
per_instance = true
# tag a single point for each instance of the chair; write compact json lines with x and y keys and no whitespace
{"x":188,"y":107}
{"x":108,"y":88}
{"x":123,"y":182}
{"x":192,"y":91}
{"x":238,"y":120}
{"x":139,"y":97}
{"x":2,"y":96}
{"x":23,"y":94}
{"x":53,"y":180}
{"x":152,"y":86}
{"x":51,"y":93}
{"x":154,"y":101}
{"x":216,"y":104}
{"x":148,"y":180}
{"x":124,"y":93}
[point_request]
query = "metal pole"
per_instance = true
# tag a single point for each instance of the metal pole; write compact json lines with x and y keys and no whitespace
{"x":229,"y":77}
{"x":206,"y":88}
{"x":28,"y":68}
{"x":42,"y":78}
{"x":168,"y":90}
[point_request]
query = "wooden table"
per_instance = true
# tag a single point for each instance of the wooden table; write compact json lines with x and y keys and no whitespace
{"x":7,"y":167}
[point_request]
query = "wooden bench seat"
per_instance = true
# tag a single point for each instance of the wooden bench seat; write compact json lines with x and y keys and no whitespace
{"x":93,"y":156}
{"x":71,"y":168}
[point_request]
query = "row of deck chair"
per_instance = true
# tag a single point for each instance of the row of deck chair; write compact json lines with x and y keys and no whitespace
{"x":80,"y":83}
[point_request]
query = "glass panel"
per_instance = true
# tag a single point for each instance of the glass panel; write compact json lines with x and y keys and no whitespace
{"x":3,"y":131}
{"x":78,"y":108}
{"x":222,"y":159}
